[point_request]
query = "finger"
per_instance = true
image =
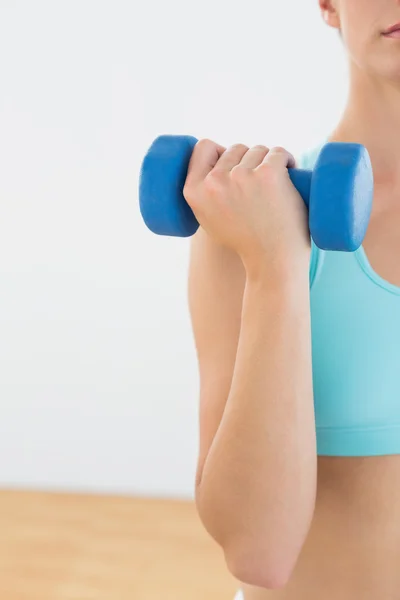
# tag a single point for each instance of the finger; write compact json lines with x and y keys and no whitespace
{"x":278,"y":156}
{"x":205,"y":156}
{"x":254,"y":156}
{"x":231,"y":157}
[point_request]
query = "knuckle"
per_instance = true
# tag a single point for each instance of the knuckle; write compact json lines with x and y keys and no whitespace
{"x":189,"y":185}
{"x":188,"y":188}
{"x":238,"y":146}
{"x":204,"y":146}
{"x":205,"y":142}
{"x":240,"y":172}
{"x":214,"y":181}
{"x":217,"y":175}
{"x":280,"y":150}
{"x":267,"y":171}
{"x":260,"y":147}
{"x":188,"y":193}
{"x":266,"y":167}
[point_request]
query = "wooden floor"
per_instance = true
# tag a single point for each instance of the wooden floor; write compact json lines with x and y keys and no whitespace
{"x":82,"y":547}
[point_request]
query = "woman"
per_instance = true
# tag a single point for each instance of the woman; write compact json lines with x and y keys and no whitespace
{"x":299,"y":351}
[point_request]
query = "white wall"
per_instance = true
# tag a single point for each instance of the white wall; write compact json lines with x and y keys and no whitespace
{"x":98,"y":372}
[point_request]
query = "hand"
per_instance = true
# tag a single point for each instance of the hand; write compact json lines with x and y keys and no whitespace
{"x":244,"y":198}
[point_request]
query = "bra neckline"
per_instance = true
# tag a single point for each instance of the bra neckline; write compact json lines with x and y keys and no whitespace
{"x":360,"y":253}
{"x":372,"y":274}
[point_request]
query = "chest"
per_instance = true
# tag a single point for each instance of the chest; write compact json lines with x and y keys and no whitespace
{"x":382,"y":241}
{"x":355,"y":314}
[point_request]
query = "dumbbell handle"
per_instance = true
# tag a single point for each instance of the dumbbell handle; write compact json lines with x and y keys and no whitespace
{"x":301,"y":179}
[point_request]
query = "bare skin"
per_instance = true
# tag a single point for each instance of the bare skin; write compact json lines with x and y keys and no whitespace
{"x":330,"y":529}
{"x":353,"y":546}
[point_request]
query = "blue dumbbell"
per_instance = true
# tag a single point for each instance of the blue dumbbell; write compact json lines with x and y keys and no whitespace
{"x":338,"y":192}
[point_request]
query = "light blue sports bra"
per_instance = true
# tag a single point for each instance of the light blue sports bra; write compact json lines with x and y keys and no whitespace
{"x":355,"y":325}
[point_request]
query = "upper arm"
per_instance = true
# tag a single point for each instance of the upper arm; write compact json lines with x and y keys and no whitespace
{"x":215,"y":289}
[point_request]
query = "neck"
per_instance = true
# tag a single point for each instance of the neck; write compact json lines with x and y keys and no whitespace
{"x":372,"y":118}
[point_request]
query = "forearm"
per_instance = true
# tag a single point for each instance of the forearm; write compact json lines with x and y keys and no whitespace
{"x":258,"y":485}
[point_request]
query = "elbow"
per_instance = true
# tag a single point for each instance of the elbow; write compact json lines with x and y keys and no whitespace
{"x":265,"y":569}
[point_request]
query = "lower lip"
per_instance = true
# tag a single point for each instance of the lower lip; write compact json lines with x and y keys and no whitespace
{"x":394,"y":34}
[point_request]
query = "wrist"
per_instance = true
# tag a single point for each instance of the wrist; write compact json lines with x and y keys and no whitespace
{"x":278,"y":274}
